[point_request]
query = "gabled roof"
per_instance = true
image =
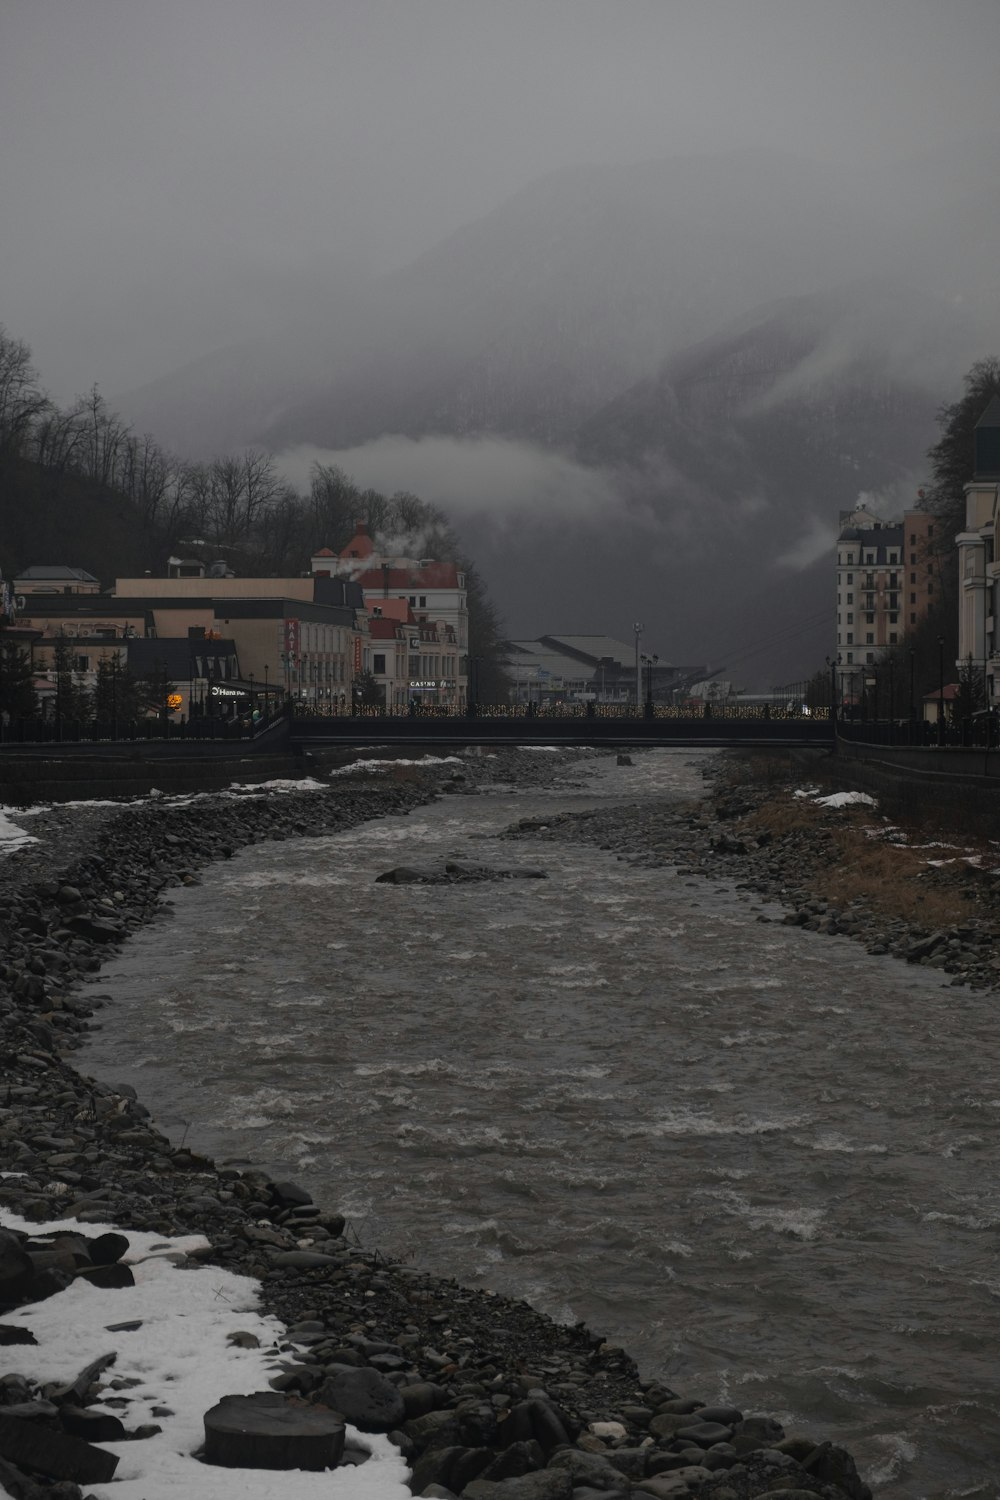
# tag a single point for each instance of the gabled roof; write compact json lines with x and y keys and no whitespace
{"x":55,"y":573}
{"x":433,"y":575}
{"x":360,"y":545}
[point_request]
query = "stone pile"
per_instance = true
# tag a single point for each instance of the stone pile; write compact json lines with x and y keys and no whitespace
{"x":486,"y":1398}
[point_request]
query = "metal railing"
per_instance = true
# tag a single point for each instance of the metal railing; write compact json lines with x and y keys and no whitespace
{"x":31,"y":732}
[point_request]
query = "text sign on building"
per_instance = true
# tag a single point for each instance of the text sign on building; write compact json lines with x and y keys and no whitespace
{"x":292,"y":640}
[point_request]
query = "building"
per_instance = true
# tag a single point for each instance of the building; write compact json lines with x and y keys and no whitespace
{"x":979,"y":557}
{"x":55,"y":579}
{"x":586,"y":669}
{"x":304,"y":637}
{"x":427,"y":597}
{"x":886,"y":581}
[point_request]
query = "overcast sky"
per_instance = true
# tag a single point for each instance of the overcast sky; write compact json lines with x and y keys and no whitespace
{"x":167,"y":163}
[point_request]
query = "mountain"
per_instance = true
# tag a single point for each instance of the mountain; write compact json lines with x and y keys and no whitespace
{"x":530,"y":319}
{"x":730,"y":466}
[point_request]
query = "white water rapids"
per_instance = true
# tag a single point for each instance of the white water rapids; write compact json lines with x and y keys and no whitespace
{"x":759,"y":1158}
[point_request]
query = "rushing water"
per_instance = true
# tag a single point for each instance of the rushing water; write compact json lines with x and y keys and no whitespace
{"x":759,"y":1158}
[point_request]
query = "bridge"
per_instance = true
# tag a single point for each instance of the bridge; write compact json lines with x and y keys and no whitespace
{"x":493,"y":727}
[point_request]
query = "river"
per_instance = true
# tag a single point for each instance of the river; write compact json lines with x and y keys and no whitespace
{"x":757,"y":1157}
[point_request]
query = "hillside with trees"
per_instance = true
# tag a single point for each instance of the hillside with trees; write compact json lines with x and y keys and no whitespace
{"x":78,"y":486}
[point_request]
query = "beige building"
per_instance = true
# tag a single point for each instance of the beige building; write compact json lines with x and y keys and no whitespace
{"x":886,"y":580}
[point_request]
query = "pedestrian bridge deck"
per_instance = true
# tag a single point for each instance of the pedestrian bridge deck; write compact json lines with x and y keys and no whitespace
{"x":491,"y":728}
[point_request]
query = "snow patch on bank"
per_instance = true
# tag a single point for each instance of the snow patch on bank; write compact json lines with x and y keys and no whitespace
{"x":181,"y":1360}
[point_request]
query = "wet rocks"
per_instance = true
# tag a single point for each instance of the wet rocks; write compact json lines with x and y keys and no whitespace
{"x":452,"y":872}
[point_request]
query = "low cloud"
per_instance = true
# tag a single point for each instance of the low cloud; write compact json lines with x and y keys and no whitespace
{"x":817,"y":539}
{"x":475,"y":478}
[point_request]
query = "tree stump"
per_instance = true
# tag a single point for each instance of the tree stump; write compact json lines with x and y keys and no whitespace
{"x":267,"y":1431}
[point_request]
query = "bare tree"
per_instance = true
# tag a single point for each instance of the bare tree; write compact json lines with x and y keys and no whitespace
{"x":22,"y":401}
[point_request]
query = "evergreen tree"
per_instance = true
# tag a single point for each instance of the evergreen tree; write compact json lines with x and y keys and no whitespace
{"x":153,"y":692}
{"x":73,"y":702}
{"x":17,"y":687}
{"x":368,"y":691}
{"x":115,"y":693}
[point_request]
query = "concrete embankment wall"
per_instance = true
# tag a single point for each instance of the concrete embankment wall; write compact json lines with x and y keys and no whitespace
{"x":947,"y":788}
{"x":65,"y":773}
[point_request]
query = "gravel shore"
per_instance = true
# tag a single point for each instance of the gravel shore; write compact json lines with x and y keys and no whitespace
{"x":486,"y":1398}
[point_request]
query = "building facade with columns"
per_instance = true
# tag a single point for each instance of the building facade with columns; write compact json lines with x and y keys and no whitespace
{"x":979,"y":558}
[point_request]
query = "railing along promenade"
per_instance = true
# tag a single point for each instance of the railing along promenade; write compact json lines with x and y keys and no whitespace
{"x":570,"y":724}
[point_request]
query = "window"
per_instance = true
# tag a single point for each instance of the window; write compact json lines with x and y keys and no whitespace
{"x":82,"y":663}
{"x":913,"y":577}
{"x":869,"y":638}
{"x":850,"y":637}
{"x":913,"y":598}
{"x":893,"y":601}
{"x":930,"y":530}
{"x":850,"y":657}
{"x":913,"y":538}
{"x":894,"y":580}
{"x":869,"y":657}
{"x":913,"y":555}
{"x":930,"y":568}
{"x":850,"y":598}
{"x":893,"y":619}
{"x":850,"y":617}
{"x":892,"y":638}
{"x":913,"y":619}
{"x":850,"y":558}
{"x":850,"y":577}
{"x":378,"y":664}
{"x":870,"y":619}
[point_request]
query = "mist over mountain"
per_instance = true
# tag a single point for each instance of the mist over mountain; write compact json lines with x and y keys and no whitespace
{"x":529,"y":319}
{"x":657,"y":382}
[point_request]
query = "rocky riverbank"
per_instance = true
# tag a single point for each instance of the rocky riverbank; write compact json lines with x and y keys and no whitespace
{"x":828,"y":857}
{"x":485,"y":1398}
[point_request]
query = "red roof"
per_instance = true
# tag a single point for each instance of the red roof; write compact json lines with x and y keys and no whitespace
{"x":383,"y":630}
{"x":361,"y":544}
{"x":324,"y":552}
{"x":435,"y":575}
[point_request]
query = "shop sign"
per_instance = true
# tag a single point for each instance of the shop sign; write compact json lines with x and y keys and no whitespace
{"x":292,"y":640}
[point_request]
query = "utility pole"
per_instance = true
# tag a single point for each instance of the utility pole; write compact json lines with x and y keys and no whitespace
{"x":637,"y":627}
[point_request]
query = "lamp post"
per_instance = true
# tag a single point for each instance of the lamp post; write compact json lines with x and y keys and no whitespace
{"x":892,"y":698}
{"x":832,"y":668}
{"x":940,"y":689}
{"x":913,"y":700}
{"x":637,"y":627}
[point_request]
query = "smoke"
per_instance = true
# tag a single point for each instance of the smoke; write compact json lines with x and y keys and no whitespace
{"x":475,"y":478}
{"x":817,"y":539}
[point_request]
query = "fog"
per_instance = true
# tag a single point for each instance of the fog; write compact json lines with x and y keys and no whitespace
{"x":169,"y":170}
{"x":480,"y":250}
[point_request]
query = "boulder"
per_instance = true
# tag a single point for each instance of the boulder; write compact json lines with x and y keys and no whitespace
{"x":364,"y":1397}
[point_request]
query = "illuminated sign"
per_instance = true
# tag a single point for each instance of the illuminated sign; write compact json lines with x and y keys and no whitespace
{"x":218,"y":691}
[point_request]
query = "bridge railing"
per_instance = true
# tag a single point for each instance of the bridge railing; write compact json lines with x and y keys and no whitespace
{"x":616,"y":711}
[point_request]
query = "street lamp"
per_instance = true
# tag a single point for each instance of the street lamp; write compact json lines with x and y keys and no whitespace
{"x":913,"y":700}
{"x":940,"y":689}
{"x":637,"y":627}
